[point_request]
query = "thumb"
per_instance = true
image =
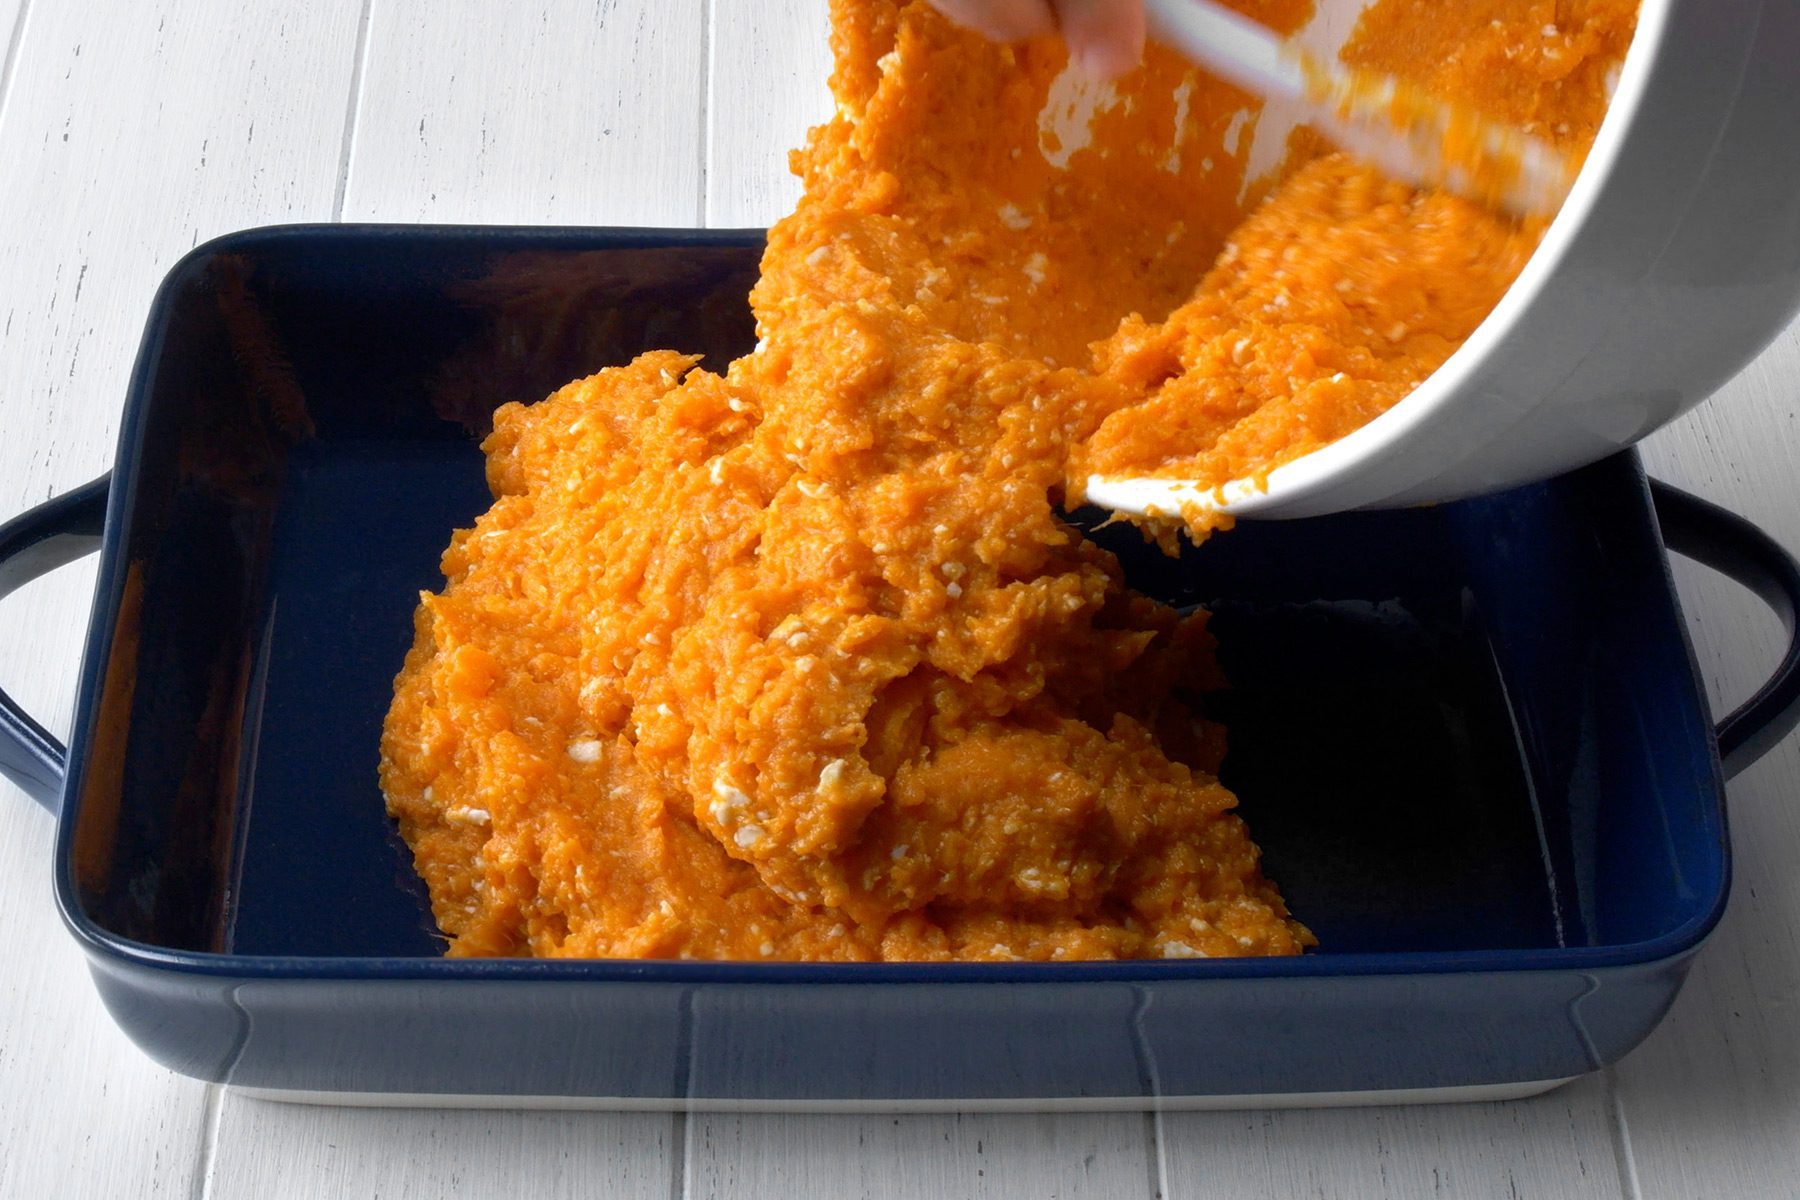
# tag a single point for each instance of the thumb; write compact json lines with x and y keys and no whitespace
{"x":1105,"y":37}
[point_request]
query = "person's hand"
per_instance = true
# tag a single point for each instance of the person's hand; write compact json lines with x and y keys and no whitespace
{"x":1105,"y":37}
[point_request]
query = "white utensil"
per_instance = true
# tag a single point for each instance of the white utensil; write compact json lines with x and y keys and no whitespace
{"x":1407,"y":132}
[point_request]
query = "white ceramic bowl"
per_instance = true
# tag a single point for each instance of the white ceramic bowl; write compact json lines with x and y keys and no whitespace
{"x":1674,"y":261}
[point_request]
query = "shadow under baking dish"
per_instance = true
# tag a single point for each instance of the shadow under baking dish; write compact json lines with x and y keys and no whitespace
{"x":1468,"y":738}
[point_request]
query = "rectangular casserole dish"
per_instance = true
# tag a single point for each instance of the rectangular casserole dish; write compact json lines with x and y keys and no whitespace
{"x":1469,"y":738}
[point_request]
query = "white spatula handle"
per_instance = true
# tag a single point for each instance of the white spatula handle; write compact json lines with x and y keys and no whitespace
{"x":1230,"y":45}
{"x":1356,"y":110}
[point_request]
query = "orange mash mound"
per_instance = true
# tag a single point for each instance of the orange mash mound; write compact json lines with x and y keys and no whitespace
{"x":800,"y":661}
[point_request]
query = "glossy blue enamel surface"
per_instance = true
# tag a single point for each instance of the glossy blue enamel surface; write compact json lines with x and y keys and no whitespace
{"x":1469,"y":739}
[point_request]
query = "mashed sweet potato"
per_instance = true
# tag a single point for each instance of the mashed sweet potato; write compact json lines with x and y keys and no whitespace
{"x":800,"y":661}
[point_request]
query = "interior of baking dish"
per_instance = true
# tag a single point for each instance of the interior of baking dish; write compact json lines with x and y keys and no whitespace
{"x":1464,"y":730}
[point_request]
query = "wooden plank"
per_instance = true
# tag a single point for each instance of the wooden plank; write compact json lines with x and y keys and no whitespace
{"x":555,"y":111}
{"x":269,"y":1151}
{"x":1556,"y":1146}
{"x":131,"y":131}
{"x":768,"y":66}
{"x":967,"y":1155}
{"x":1711,"y":1103}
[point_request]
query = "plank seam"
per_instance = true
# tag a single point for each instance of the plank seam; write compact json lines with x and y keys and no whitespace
{"x":212,"y":1112}
{"x":352,"y":110}
{"x":704,"y":213}
{"x":1624,"y":1160}
{"x":8,"y":68}
{"x":680,"y":1129}
{"x":1158,"y":1166}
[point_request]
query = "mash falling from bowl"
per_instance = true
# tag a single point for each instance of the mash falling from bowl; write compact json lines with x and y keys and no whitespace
{"x":800,"y":661}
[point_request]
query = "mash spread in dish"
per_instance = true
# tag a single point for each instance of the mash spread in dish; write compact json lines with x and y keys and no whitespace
{"x":800,"y":660}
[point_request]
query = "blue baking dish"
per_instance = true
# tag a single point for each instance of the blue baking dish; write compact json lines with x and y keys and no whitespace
{"x":1469,"y":738}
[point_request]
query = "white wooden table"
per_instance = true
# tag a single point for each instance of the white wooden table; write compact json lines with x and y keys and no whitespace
{"x":132,"y":129}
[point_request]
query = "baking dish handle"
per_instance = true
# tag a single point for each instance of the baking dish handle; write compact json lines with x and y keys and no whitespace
{"x":56,"y":532}
{"x":62,"y":530}
{"x":1724,"y":541}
